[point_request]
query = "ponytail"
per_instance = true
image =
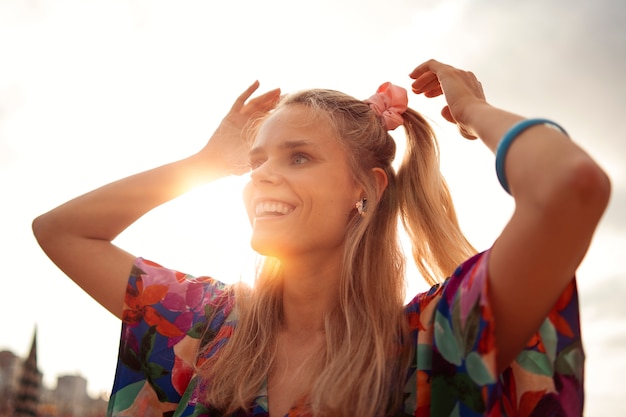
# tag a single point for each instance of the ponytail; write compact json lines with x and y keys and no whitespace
{"x":426,"y":207}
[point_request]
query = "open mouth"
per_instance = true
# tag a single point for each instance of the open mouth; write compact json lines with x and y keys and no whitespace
{"x":272,"y":209}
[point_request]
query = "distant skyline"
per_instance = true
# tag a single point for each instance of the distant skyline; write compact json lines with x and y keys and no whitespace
{"x":31,"y":356}
{"x":22,"y":392}
{"x":94,"y":91}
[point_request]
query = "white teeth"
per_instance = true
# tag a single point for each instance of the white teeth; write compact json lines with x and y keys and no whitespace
{"x":272,"y":208}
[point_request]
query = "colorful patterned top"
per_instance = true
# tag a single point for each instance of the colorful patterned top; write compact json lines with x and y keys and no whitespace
{"x":451,"y":325}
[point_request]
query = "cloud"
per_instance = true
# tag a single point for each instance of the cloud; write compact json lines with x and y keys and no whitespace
{"x":10,"y":100}
{"x":614,"y":217}
{"x":559,"y":57}
{"x":605,"y":301}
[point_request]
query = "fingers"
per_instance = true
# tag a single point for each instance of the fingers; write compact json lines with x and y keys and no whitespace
{"x":426,"y":83}
{"x":431,"y":66}
{"x":447,"y":114}
{"x":264,"y":102}
{"x":245,"y":95}
{"x":434,"y":91}
{"x":427,"y":78}
{"x":432,"y":78}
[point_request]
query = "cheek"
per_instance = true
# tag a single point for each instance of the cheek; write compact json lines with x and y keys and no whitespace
{"x":337,"y":208}
{"x":349,"y":195}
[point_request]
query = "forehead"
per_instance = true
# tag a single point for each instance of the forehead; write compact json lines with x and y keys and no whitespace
{"x":295,"y":122}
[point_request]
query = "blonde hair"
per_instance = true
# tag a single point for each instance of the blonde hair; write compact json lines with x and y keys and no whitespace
{"x":363,"y":366}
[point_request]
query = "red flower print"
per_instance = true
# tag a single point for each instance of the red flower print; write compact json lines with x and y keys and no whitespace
{"x":555,"y":317}
{"x":138,"y":306}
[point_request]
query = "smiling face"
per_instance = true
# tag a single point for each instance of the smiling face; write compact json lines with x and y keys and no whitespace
{"x":301,"y":194}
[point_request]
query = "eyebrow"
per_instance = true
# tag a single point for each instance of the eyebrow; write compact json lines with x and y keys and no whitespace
{"x":290,"y":144}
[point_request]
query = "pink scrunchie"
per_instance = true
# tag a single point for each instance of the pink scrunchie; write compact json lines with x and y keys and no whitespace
{"x":389,"y":102}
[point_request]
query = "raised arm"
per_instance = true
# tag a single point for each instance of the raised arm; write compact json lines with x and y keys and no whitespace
{"x":77,"y":235}
{"x":560,"y":195}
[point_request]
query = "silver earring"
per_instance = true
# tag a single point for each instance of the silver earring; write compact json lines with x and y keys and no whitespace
{"x":361,"y":206}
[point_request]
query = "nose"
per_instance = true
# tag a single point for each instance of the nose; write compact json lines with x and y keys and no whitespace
{"x":267,"y":173}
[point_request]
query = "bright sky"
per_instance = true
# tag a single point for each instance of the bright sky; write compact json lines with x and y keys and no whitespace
{"x":93,"y":91}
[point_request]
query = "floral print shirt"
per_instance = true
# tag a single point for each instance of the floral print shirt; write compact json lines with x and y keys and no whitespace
{"x":452,"y":328}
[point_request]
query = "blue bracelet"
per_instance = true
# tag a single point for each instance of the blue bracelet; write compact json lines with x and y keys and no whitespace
{"x":507,"y":140}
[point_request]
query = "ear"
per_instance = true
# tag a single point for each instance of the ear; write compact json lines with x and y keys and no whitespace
{"x":381,"y":180}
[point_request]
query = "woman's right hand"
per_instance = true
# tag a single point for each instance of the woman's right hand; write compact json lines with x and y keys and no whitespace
{"x":228,"y":147}
{"x":78,"y":235}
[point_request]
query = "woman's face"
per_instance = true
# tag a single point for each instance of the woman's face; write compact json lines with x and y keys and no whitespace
{"x":301,"y":193}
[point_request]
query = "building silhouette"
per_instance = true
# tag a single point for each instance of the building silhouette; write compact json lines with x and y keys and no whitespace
{"x":71,"y":398}
{"x":26,"y":400}
{"x":10,"y":368}
{"x":22,"y":393}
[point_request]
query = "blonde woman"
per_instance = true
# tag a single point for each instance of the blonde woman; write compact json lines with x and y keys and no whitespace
{"x":325,"y":331}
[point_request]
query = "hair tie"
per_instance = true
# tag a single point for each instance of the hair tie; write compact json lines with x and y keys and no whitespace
{"x":389,"y":102}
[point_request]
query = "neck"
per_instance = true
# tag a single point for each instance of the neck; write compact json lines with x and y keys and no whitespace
{"x":310,"y":290}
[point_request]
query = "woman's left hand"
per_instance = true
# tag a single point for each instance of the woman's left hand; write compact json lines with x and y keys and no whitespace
{"x":461,"y":90}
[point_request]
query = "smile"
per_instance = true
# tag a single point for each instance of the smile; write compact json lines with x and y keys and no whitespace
{"x":272,"y":208}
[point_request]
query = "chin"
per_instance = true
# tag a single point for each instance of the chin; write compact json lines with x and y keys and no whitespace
{"x":268,"y":247}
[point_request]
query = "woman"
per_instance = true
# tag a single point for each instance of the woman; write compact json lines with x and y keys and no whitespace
{"x":324,"y":331}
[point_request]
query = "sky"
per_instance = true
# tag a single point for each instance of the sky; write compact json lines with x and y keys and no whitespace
{"x":92,"y":91}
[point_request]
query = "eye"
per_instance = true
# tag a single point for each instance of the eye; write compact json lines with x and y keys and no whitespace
{"x":255,"y":163}
{"x":299,"y":158}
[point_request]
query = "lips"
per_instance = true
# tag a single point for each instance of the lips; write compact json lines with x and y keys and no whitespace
{"x":272,"y":208}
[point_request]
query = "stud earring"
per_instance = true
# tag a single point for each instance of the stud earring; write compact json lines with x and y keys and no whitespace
{"x":361,"y":206}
